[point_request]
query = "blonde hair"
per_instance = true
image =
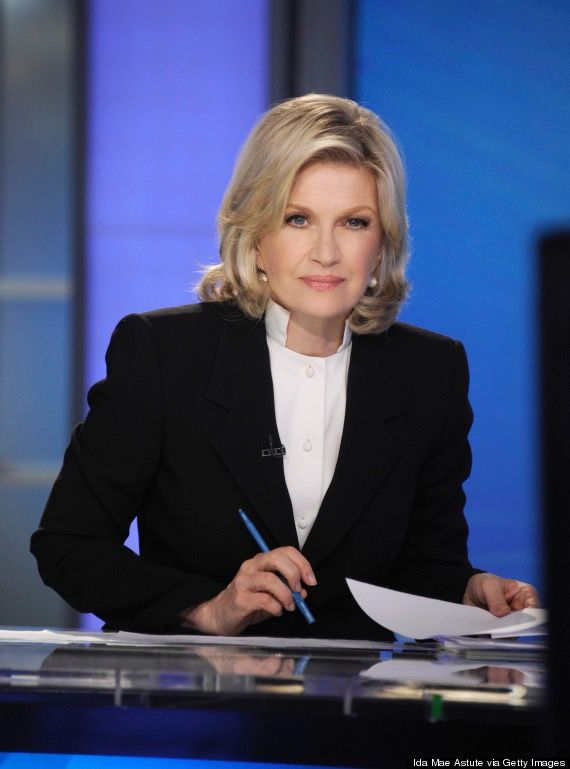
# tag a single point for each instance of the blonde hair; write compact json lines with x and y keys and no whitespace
{"x":289,"y":136}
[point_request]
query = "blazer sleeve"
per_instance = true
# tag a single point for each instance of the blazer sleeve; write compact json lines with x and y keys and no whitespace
{"x":108,"y":467}
{"x":433,"y":560}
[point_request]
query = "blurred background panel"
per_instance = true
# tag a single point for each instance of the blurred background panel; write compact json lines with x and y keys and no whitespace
{"x":119,"y":126}
{"x":37,"y":212}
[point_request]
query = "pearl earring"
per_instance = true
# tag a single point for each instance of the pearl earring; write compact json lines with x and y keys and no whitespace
{"x":262,"y":276}
{"x":372,"y":283}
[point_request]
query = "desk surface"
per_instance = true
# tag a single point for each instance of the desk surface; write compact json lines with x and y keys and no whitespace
{"x":216,"y":701}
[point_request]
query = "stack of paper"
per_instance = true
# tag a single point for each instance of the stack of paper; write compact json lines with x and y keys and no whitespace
{"x":59,"y":637}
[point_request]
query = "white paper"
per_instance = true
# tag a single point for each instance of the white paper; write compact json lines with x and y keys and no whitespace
{"x":268,"y":642}
{"x":418,"y":617}
{"x":56,"y":637}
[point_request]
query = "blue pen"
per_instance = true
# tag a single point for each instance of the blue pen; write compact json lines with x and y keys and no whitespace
{"x":301,"y":605}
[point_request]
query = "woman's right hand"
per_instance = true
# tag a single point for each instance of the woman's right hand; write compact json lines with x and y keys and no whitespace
{"x":255,"y":593}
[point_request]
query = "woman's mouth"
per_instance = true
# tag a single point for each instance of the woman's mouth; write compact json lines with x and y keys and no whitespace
{"x":322,"y":282}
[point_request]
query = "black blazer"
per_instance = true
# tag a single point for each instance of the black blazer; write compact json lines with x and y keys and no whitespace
{"x":174,"y":436}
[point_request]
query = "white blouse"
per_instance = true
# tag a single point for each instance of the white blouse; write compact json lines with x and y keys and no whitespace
{"x":310,"y":403}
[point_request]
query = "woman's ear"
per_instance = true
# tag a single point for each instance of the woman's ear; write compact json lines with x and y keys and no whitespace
{"x":259,"y":259}
{"x":380,"y":255}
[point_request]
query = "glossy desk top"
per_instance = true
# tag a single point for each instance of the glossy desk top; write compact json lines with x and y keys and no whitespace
{"x":368,"y":706}
{"x":352,"y":678}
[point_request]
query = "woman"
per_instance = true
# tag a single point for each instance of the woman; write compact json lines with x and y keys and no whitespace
{"x":289,"y":392}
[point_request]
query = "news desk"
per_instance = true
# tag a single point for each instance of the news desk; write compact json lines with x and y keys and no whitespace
{"x":250,"y":703}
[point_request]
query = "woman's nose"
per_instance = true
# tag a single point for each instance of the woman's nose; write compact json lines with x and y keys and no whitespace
{"x":325,"y":249}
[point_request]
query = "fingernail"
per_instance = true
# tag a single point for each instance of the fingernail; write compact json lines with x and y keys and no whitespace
{"x":291,"y":606}
{"x":310,"y":578}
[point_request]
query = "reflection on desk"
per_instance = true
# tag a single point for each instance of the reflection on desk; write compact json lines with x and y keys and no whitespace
{"x":335,"y":698}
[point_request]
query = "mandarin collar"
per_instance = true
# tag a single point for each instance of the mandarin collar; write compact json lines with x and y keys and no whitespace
{"x":277,"y":320}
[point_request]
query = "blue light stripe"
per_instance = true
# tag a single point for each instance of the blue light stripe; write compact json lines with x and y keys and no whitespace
{"x":56,"y":761}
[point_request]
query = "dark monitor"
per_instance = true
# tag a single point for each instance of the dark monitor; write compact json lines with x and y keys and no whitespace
{"x":554,"y":320}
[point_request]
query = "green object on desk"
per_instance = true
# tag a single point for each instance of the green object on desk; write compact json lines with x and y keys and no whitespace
{"x":436,"y":707}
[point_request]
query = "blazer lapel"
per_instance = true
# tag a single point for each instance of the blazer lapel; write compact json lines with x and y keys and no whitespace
{"x":241,"y":383}
{"x":375,"y":424}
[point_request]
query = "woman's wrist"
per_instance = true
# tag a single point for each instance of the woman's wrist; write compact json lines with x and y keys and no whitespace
{"x":197,"y":617}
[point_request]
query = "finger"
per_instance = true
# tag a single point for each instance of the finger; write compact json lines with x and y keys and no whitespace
{"x":525,"y":597}
{"x":518,"y":593}
{"x":305,"y":569}
{"x":257,"y":606}
{"x":259,"y":581}
{"x":262,"y":582}
{"x":287,"y":562}
{"x":279,"y":563}
{"x":290,"y":570}
{"x":494,"y":596}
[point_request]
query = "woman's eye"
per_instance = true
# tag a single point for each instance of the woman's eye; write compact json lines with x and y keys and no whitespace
{"x":355,"y":223}
{"x":297,"y":220}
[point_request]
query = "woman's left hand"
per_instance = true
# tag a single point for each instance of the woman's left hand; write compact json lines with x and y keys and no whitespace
{"x":499,"y":595}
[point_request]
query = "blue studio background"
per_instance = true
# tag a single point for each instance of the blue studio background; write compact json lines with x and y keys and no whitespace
{"x":478,"y":95}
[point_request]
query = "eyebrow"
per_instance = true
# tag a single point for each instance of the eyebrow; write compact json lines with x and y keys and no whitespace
{"x":352,"y":209}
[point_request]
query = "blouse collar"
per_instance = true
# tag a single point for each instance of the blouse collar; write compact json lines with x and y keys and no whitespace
{"x":277,"y":320}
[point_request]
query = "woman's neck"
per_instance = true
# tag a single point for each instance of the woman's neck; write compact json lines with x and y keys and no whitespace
{"x":316,"y":337}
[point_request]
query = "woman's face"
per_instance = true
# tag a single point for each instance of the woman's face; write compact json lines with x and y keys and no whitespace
{"x":318,"y":263}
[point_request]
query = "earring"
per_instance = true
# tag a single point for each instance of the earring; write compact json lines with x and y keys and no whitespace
{"x":372,"y":283}
{"x":262,"y":276}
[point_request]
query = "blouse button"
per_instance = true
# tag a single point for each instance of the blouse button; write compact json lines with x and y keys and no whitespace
{"x":310,"y":370}
{"x":302,"y":523}
{"x":307,"y":446}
